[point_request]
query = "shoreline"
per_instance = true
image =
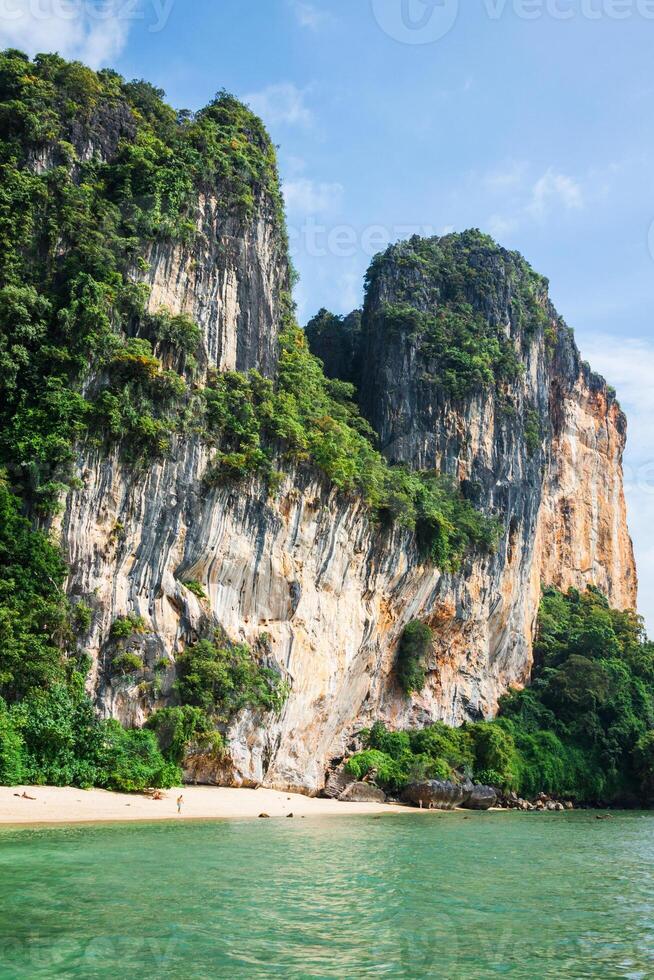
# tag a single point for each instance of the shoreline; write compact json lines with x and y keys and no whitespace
{"x":57,"y":806}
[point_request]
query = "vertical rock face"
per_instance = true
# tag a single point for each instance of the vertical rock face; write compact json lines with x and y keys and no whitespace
{"x":582,"y":532}
{"x":542,"y":447}
{"x":475,"y":433}
{"x":229,"y":281}
{"x":305,"y":575}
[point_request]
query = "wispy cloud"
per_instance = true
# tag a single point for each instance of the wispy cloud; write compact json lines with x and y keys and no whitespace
{"x":521,"y":197}
{"x":505,"y":178}
{"x":500,"y":225}
{"x":94,"y":33}
{"x":554,"y":192}
{"x":307,"y":197}
{"x":308,"y":15}
{"x":282,"y":104}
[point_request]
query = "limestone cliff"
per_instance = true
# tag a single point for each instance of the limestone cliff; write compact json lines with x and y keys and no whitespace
{"x":305,"y":575}
{"x":133,"y":225}
{"x":543,"y":448}
{"x":229,"y":281}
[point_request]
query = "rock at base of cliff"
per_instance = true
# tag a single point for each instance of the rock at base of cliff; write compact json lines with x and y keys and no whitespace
{"x":480,"y":798}
{"x":362,"y":793}
{"x":337,"y":781}
{"x":436,"y":794}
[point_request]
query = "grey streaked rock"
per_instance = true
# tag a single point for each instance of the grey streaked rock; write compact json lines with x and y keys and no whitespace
{"x":359,"y":792}
{"x":480,"y":798}
{"x":436,"y":794}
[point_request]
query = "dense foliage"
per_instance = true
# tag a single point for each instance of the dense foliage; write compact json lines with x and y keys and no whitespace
{"x":184,"y":726}
{"x":53,"y":736}
{"x":583,"y":729}
{"x":448,"y":298}
{"x":585,"y":724}
{"x":35,"y":622}
{"x":414,"y":648}
{"x":73,"y":226}
{"x":216,"y":679}
{"x":224,"y":677}
{"x":434,"y":752}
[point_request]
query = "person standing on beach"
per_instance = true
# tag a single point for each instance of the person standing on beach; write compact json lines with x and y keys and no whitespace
{"x":180,"y":800}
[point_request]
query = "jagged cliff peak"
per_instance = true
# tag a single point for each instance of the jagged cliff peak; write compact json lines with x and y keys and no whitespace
{"x":64,"y":113}
{"x":462,"y":290}
{"x":461,"y":267}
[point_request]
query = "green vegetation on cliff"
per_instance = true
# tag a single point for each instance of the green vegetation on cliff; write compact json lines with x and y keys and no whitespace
{"x":92,"y":170}
{"x":336,"y":341}
{"x":448,"y":297}
{"x":222,"y":678}
{"x":49,"y":731}
{"x":309,"y":418}
{"x":80,"y":356}
{"x":414,"y":648}
{"x":583,"y":729}
{"x":216,"y":680}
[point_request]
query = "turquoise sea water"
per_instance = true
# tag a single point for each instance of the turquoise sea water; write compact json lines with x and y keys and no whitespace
{"x":438,"y":895}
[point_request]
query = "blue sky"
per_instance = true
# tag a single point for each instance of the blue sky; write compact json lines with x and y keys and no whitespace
{"x":527,"y":118}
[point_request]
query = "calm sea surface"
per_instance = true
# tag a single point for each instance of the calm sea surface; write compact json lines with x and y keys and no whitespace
{"x":443,"y":895}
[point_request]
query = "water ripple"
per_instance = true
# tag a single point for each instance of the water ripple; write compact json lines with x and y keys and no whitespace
{"x":514,"y":895}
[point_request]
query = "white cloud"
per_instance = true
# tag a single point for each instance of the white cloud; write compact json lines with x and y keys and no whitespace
{"x":499,"y":225}
{"x":523,"y":200}
{"x":553,"y":191}
{"x":282,"y":104}
{"x":506,"y":179}
{"x":308,"y":15}
{"x":294,"y":165}
{"x":628,"y":365}
{"x":95,"y":34}
{"x":305,"y":196}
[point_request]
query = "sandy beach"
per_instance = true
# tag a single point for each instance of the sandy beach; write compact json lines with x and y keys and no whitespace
{"x":53,"y":805}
